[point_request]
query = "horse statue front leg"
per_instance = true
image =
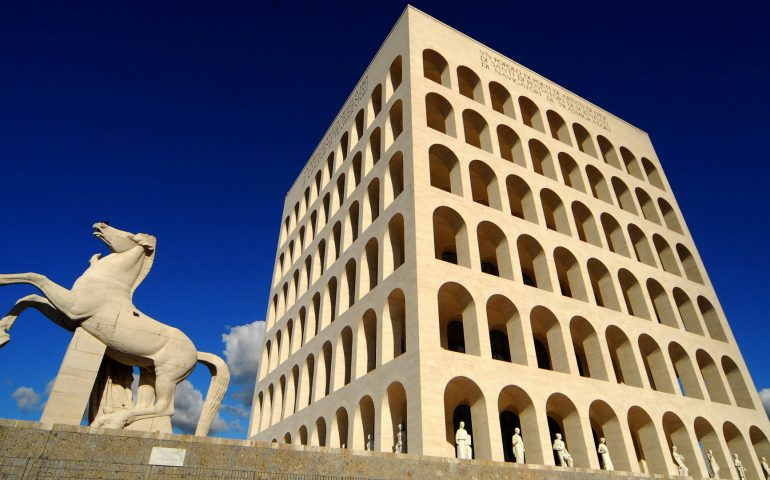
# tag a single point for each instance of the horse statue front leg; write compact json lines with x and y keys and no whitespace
{"x":56,"y":305}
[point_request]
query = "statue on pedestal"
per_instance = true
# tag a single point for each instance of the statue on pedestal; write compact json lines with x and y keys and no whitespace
{"x":713,"y":465}
{"x":565,"y":459}
{"x":518,"y":445}
{"x":679,"y":461}
{"x":765,"y":467}
{"x":739,"y":468}
{"x":400,"y":446}
{"x":100,"y":304}
{"x":463,"y":442}
{"x":369,"y":442}
{"x":604,"y":455}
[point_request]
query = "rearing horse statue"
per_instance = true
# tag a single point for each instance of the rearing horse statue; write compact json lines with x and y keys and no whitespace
{"x":100,"y":302}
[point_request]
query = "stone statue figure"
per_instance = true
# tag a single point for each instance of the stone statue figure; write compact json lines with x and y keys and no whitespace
{"x":369,"y":442}
{"x":565,"y":459}
{"x":679,"y":461}
{"x":400,"y":446}
{"x":518,"y":445}
{"x":765,"y":467}
{"x":604,"y":455}
{"x":463,"y":442}
{"x":739,"y":468}
{"x":100,"y":303}
{"x":713,"y":465}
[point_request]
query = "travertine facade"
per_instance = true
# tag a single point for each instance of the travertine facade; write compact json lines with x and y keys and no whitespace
{"x":472,"y":242}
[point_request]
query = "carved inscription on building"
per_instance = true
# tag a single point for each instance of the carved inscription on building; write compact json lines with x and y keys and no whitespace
{"x":544,"y":89}
{"x":330,"y":139}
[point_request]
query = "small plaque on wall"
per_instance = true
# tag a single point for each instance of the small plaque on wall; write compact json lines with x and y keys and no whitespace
{"x":168,"y":457}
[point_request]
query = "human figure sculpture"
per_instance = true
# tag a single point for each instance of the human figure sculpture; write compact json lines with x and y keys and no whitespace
{"x":400,"y":446}
{"x":100,"y":302}
{"x":369,"y":442}
{"x":518,"y":445}
{"x":713,"y":465}
{"x":679,"y":461}
{"x":604,"y":455}
{"x":463,"y":442}
{"x":739,"y":468}
{"x":765,"y":467}
{"x":565,"y":459}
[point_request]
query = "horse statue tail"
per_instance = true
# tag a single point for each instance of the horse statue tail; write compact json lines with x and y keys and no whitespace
{"x":220,"y":378}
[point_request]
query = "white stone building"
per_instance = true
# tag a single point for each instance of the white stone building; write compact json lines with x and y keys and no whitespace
{"x":471,"y":241}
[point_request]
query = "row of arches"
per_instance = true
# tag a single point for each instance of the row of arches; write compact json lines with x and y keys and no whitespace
{"x":598,"y":351}
{"x":379,"y":99}
{"x":436,"y":68}
{"x":340,"y":292}
{"x":350,"y":426}
{"x":639,"y":442}
{"x":588,"y":279}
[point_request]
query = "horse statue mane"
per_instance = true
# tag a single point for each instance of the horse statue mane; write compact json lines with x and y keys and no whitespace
{"x":150,"y":244}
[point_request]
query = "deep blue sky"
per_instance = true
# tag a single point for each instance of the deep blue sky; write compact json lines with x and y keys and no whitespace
{"x":190,"y":120}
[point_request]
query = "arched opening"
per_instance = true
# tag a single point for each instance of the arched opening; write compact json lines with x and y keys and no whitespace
{"x":476,"y":131}
{"x":343,"y":371}
{"x":395,"y":186}
{"x":759,"y":442}
{"x":548,"y":341}
{"x":598,"y":184}
{"x":633,"y":294}
{"x":444,"y":169}
{"x":510,"y":146}
{"x":664,"y":313}
{"x":588,"y":350}
{"x":369,"y":267}
{"x":649,"y":453}
{"x":564,"y":418}
{"x":348,"y":286}
{"x":691,"y":270}
{"x":375,"y":103}
{"x":570,"y":172}
{"x":484,"y":189}
{"x":503,"y":317}
{"x":737,"y":383}
{"x":494,"y":253}
{"x":687,"y":312}
{"x":469,"y":84}
{"x":355,"y":172}
{"x":464,"y":402}
{"x":319,"y":433}
{"x":616,"y":241}
{"x":340,"y":429}
{"x":302,"y":435}
{"x":533,"y":263}
{"x":655,"y":365}
{"x":648,"y":206}
{"x":737,"y":445}
{"x":501,"y":99}
{"x":585,"y":224}
{"x":366,"y":344}
{"x":685,"y":373}
{"x":363,"y":425}
{"x":569,"y":274}
{"x":375,"y":148}
{"x":652,"y":174}
{"x":394,"y":326}
{"x":622,"y":357}
{"x":641,"y":245}
{"x":517,"y":411}
{"x":326,"y":378}
{"x":340,"y":192}
{"x":520,"y":199}
{"x":605,"y":424}
{"x":678,"y":436}
{"x":308,"y":383}
{"x":450,"y":237}
{"x":394,"y":413}
{"x":336,"y":241}
{"x":708,"y":440}
{"x":542,"y":161}
{"x":395,"y":122}
{"x":602,"y":286}
{"x":352,"y":225}
{"x":559,"y":129}
{"x":435,"y":68}
{"x":372,"y":202}
{"x":669,"y":216}
{"x":530,"y":114}
{"x":665,"y":255}
{"x":395,"y":255}
{"x":554,"y":212}
{"x":457,"y":320}
{"x":395,"y":75}
{"x":711,"y":319}
{"x":584,"y":142}
{"x":631,"y":163}
{"x":625,"y":200}
{"x":712,"y":378}
{"x":608,"y":152}
{"x":439,"y":114}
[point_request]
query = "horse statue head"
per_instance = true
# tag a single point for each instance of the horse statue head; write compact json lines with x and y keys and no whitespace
{"x":119,"y":241}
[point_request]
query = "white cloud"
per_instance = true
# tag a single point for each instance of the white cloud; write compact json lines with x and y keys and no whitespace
{"x":27,"y":398}
{"x":188,"y":403}
{"x":235,"y":410}
{"x":243,"y":349}
{"x":49,"y":387}
{"x":764,"y":394}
